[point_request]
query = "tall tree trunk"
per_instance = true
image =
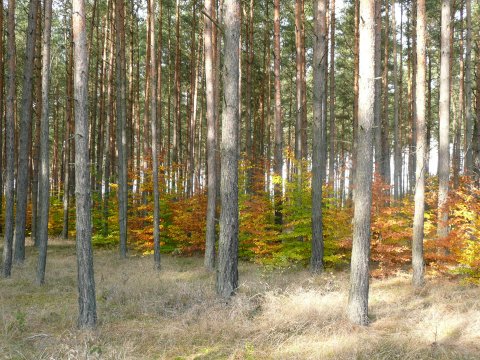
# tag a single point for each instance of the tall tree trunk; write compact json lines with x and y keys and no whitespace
{"x":86,"y":283}
{"x":24,"y":135}
{"x":44,"y":178}
{"x":458,"y":115}
{"x":468,"y":92}
{"x":444,"y":122}
{"x":2,"y":98}
{"x":378,"y":91}
{"x":385,"y":123}
{"x":359,"y":276}
{"x":278,"y":150}
{"x":153,"y":121}
{"x":37,"y":110}
{"x":397,"y":142}
{"x":227,"y":272}
{"x":211,"y":138}
{"x":248,"y":99}
{"x":418,"y":219}
{"x":355,"y":97}
{"x":67,"y":137}
{"x":319,"y":65}
{"x":299,"y":93}
{"x":9,"y":141}
{"x":331,"y":161}
{"x":121,"y":123}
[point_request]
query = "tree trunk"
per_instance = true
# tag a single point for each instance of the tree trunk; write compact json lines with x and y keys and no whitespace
{"x":468,"y":92}
{"x":67,"y":141}
{"x":397,"y":141}
{"x":44,"y":179}
{"x":299,"y":93}
{"x":331,"y":161}
{"x":211,"y":138}
{"x":378,"y":91}
{"x":25,"y":128}
{"x":458,"y":115}
{"x":359,"y":276}
{"x":444,"y":122}
{"x":2,"y":98}
{"x":418,"y":264}
{"x":319,"y":65}
{"x":227,"y":272}
{"x":278,"y":150}
{"x":9,"y":141}
{"x":121,"y":124}
{"x":86,"y":283}
{"x":153,"y":121}
{"x":355,"y":97}
{"x":37,"y":110}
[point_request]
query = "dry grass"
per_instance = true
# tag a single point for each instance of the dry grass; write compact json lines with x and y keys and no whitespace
{"x":276,"y":315}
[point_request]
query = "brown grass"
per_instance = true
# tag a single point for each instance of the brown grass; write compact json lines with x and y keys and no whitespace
{"x":276,"y":315}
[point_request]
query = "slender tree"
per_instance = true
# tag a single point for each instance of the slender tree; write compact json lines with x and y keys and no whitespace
{"x":211,"y":137}
{"x":9,"y":141}
{"x":468,"y":91}
{"x":319,"y":65}
{"x":444,"y":121}
{"x":418,"y":220}
{"x":121,"y":135}
{"x":227,"y":271}
{"x":86,"y":283}
{"x":24,"y":135}
{"x":153,"y":121}
{"x":359,"y":276}
{"x":278,"y":132}
{"x":44,"y":178}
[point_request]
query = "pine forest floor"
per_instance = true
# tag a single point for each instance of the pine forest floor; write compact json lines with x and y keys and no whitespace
{"x":277,"y":314}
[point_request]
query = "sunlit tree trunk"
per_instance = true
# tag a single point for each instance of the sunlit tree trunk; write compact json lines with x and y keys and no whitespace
{"x":359,"y":276}
{"x":444,"y":121}
{"x":397,"y":141}
{"x":211,"y":138}
{"x":468,"y":91}
{"x":227,"y":272}
{"x":86,"y":283}
{"x":418,"y":219}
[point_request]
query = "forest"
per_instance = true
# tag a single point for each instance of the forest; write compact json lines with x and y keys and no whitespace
{"x":227,"y":179}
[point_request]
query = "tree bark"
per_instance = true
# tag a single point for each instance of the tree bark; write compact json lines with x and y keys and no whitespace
{"x":397,"y":141}
{"x":211,"y":138}
{"x":359,"y":276}
{"x":444,"y":122}
{"x":418,"y":219}
{"x":319,"y":65}
{"x":468,"y":92}
{"x":331,"y":160}
{"x":121,"y":123}
{"x":278,"y":150}
{"x":24,"y":135}
{"x":227,"y":272}
{"x":9,"y":141}
{"x":86,"y":283}
{"x":44,"y":179}
{"x":153,"y":121}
